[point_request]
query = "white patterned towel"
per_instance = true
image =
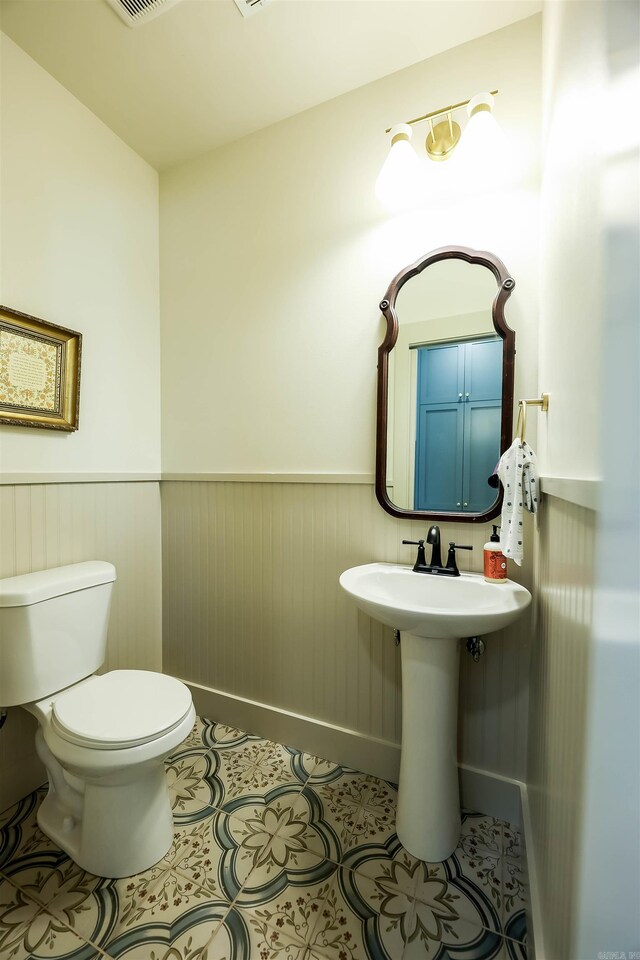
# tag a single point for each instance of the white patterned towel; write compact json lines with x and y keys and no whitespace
{"x":519,"y":478}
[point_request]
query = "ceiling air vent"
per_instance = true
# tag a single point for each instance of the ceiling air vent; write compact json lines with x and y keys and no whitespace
{"x":136,"y":12}
{"x":248,"y":7}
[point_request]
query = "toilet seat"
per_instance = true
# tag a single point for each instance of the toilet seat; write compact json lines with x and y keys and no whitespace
{"x":123,"y":708}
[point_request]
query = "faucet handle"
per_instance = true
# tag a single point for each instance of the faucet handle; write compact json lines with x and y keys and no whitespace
{"x":451,"y":556}
{"x":421,"y":560}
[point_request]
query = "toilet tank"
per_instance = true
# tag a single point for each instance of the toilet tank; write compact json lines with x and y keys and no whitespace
{"x":53,"y":629}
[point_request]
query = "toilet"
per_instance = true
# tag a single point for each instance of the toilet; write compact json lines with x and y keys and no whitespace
{"x":102,"y":739}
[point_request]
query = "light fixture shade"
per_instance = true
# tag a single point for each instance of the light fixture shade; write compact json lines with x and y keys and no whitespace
{"x":481,"y":103}
{"x":480,"y":154}
{"x":401,"y":181}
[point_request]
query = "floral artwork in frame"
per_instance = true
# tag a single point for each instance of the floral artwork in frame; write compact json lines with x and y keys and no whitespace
{"x":39,"y":372}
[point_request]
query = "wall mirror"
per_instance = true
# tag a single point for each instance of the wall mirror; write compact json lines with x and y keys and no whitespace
{"x":445,"y":387}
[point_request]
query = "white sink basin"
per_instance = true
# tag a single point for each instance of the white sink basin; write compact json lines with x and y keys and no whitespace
{"x":429,"y":605}
{"x":432,"y":612}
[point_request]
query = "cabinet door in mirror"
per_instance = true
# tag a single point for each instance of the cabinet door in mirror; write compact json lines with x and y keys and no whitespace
{"x":445,"y":387}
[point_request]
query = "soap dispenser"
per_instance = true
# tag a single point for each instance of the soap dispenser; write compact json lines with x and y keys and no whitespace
{"x":495,"y":562}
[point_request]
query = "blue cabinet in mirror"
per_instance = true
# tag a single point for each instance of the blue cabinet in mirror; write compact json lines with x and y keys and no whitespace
{"x":445,"y":387}
{"x":458,"y":407}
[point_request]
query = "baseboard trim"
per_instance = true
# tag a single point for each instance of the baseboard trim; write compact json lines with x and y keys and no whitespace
{"x":491,"y":794}
{"x":480,"y":790}
{"x":381,"y":758}
{"x":535,"y":938}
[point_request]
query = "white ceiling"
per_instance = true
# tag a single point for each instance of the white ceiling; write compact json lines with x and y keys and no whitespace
{"x":200,"y":75}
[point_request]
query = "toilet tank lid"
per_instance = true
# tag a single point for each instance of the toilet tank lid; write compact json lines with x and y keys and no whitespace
{"x":44,"y":584}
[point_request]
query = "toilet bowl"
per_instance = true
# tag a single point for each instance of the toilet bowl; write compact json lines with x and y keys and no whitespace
{"x":103,"y":742}
{"x":102,"y":738}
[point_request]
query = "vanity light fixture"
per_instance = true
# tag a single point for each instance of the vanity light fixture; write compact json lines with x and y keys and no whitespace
{"x":401,"y":179}
{"x":480,"y":148}
{"x":402,"y":172}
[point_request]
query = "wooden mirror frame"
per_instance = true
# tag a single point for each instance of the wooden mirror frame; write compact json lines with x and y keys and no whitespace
{"x":506,"y":283}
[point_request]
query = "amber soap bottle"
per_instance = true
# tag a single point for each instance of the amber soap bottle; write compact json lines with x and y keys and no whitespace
{"x":495,"y":562}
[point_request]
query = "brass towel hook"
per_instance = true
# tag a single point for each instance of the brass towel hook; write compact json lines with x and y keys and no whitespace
{"x":521,"y":423}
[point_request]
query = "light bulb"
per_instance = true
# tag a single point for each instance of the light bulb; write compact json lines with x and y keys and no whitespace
{"x":480,"y":154}
{"x":401,"y":181}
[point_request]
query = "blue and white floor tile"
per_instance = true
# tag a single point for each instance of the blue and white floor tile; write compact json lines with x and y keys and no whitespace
{"x":28,"y":929}
{"x":277,"y":855}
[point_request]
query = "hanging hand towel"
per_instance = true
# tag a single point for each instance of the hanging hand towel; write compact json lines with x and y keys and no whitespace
{"x":518,"y":475}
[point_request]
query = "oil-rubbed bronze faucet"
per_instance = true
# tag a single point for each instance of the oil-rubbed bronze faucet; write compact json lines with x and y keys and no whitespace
{"x":433,"y":537}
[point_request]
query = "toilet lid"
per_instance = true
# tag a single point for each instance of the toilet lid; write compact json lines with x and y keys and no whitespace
{"x":121,"y":709}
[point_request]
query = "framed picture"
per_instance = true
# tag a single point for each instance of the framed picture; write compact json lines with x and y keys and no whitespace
{"x":39,"y":372}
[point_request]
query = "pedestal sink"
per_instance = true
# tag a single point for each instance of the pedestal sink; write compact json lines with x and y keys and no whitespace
{"x":433,"y":613}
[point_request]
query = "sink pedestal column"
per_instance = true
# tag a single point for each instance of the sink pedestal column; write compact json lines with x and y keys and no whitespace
{"x":428,"y":820}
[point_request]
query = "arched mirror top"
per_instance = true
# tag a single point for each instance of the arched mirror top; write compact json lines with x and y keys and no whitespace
{"x":445,"y":387}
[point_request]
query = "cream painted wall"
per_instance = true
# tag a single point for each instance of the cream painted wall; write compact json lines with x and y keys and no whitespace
{"x":612,"y":764}
{"x":572,"y":265}
{"x":446,"y":289}
{"x":79,"y":247}
{"x":275,"y":254}
{"x":584,"y":722}
{"x":280,"y":335}
{"x":274,"y":257}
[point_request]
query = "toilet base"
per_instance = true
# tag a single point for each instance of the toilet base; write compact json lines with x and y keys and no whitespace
{"x":117,"y":827}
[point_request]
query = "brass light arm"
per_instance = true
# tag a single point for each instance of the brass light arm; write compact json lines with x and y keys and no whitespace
{"x":441,"y":112}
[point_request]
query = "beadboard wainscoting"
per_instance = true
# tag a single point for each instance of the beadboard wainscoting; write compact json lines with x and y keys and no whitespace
{"x":252,"y":610}
{"x":559,"y":681}
{"x":51,"y":524}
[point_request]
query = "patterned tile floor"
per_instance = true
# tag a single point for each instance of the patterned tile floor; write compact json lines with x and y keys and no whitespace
{"x":276,"y":854}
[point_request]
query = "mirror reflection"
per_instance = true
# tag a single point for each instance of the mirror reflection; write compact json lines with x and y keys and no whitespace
{"x":445,"y":391}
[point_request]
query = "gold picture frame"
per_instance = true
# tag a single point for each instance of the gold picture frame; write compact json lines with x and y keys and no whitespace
{"x":39,"y":372}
